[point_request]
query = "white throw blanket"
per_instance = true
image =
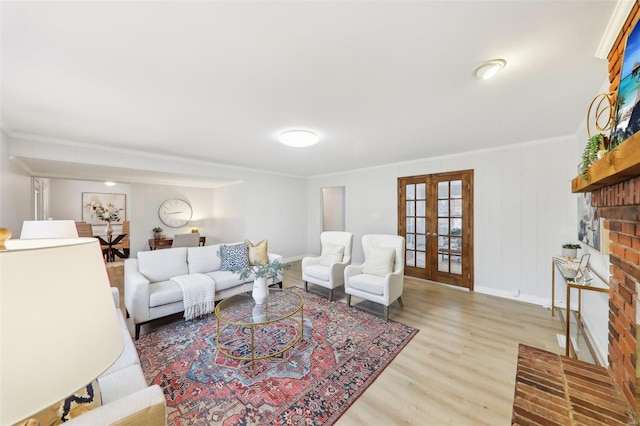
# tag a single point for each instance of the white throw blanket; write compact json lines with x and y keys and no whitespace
{"x":198,"y":294}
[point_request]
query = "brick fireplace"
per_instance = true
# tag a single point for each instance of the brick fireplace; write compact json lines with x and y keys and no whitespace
{"x":619,"y":206}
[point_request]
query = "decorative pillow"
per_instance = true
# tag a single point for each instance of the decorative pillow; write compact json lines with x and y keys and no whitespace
{"x":84,"y":399}
{"x":379,"y":261}
{"x":233,"y":256}
{"x":258,"y":253}
{"x":331,"y":253}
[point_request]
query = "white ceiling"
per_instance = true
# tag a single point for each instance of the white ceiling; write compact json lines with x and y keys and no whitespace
{"x":380,"y":82}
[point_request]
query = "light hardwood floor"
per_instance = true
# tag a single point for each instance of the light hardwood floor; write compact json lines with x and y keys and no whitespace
{"x":460,"y":368}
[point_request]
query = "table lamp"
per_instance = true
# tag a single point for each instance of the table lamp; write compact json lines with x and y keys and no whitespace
{"x":48,"y":229}
{"x":59,"y":328}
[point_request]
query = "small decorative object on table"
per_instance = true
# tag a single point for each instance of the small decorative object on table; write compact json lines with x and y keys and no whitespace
{"x":570,"y":250}
{"x":157,"y":233}
{"x":262,"y":274}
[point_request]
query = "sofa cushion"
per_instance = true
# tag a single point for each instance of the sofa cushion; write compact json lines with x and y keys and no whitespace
{"x":331,"y":253}
{"x":163,"y":293}
{"x":379,"y":261}
{"x":203,"y":259}
{"x":225,"y":279}
{"x":160,"y":265}
{"x":84,"y":399}
{"x":258,"y":253}
{"x":373,"y":284}
{"x":234,"y":256}
{"x":320,"y":272}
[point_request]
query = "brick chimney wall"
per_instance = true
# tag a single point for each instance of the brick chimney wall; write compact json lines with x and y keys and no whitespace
{"x":619,"y":206}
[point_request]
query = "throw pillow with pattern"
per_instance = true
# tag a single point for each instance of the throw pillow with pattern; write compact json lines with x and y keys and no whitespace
{"x":234,"y":256}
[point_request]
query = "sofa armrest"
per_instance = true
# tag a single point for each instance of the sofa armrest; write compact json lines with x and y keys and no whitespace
{"x":136,"y":291}
{"x":115,"y":293}
{"x":337,"y":271}
{"x":147,"y":407}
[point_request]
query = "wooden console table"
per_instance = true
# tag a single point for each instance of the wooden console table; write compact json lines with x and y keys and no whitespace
{"x":163,"y":243}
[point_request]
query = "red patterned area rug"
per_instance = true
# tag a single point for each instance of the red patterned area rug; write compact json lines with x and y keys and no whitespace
{"x":341,"y":353}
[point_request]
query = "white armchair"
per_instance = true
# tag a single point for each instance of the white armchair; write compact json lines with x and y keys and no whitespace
{"x":380,"y":278}
{"x":327,"y":270}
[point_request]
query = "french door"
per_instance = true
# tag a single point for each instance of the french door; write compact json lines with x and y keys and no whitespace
{"x":435,"y":215}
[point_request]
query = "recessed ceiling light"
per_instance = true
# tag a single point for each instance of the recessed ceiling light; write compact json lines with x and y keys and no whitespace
{"x":110,"y":183}
{"x":298,"y":138}
{"x":489,"y":69}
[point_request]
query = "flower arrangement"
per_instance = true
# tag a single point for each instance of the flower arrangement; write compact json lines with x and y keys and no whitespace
{"x":268,"y":270}
{"x":571,"y":246}
{"x":108,"y":214}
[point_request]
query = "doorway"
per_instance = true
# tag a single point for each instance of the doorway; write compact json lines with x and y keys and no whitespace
{"x":435,"y":216}
{"x":333,"y":209}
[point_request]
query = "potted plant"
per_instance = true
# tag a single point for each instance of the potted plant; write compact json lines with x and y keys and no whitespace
{"x":262,"y":274}
{"x":157,"y":233}
{"x":570,"y":250}
{"x":593,"y":150}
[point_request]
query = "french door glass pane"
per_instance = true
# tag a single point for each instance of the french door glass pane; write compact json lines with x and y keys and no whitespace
{"x":421,"y":225}
{"x":411,"y":208}
{"x":456,"y":208}
{"x":421,"y":242}
{"x":421,"y":191}
{"x":443,"y":208}
{"x":443,"y":226}
{"x":411,"y":192}
{"x":456,"y":226}
{"x":411,"y":225}
{"x":443,"y":189}
{"x":456,"y":189}
{"x":411,"y":241}
{"x":421,"y":259}
{"x":421,"y":208}
{"x":411,"y":258}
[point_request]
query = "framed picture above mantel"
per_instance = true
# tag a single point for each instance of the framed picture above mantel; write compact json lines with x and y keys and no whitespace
{"x":100,"y":208}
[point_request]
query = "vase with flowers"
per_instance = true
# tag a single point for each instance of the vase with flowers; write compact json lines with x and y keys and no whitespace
{"x":262,"y":274}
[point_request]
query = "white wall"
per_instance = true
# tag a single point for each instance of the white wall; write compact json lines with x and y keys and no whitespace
{"x":15,"y":191}
{"x":145,"y":201}
{"x":523,"y":211}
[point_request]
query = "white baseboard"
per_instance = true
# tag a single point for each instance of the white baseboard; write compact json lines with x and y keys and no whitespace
{"x":509,"y":295}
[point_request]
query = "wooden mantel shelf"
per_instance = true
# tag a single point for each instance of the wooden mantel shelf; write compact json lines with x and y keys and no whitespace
{"x":616,"y":166}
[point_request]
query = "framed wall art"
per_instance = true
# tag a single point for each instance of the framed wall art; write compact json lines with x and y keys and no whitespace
{"x":588,"y":221}
{"x":99,"y":208}
{"x":627,"y":109}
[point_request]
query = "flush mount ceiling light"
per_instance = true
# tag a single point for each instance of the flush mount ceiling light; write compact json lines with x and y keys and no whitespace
{"x":298,"y":138}
{"x":489,"y":69}
{"x":110,"y":183}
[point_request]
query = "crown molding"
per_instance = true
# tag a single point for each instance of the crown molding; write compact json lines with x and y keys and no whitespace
{"x":618,"y":17}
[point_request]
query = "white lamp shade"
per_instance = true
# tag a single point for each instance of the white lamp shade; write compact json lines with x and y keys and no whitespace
{"x":59,"y":328}
{"x":48,"y":229}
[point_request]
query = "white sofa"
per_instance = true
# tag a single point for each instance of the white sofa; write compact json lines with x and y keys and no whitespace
{"x":126,"y":397}
{"x":149,"y":292}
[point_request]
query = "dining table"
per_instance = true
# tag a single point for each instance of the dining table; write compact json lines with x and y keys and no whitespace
{"x":109,"y":250}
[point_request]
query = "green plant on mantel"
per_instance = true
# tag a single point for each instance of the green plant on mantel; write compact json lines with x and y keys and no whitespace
{"x":590,"y":153}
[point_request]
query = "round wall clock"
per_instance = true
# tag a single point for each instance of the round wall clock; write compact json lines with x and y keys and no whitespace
{"x":175,"y":213}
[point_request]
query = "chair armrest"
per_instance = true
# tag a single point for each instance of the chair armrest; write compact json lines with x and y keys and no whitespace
{"x":145,"y":407}
{"x":115,"y":293}
{"x":336,"y":270}
{"x":310,"y":260}
{"x":136,"y":291}
{"x":352,"y":270}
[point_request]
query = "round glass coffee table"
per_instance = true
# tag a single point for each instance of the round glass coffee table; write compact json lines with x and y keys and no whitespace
{"x":247,"y":331}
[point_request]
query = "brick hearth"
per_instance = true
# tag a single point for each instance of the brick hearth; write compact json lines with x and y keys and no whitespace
{"x":619,"y":206}
{"x":552,"y":389}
